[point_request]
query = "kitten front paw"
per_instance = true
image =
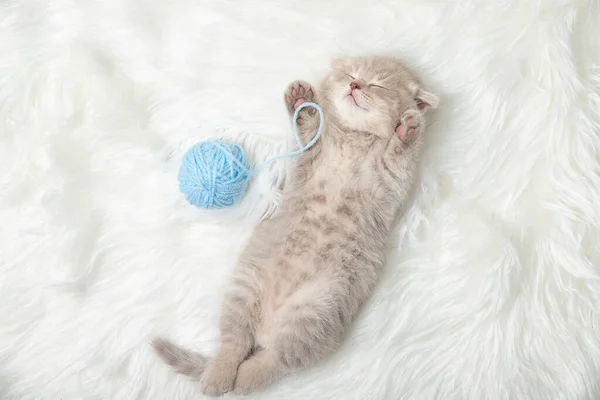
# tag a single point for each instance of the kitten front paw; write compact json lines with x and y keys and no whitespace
{"x":299,"y":92}
{"x":410,"y":126}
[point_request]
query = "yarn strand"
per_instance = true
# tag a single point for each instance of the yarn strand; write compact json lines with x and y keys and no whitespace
{"x":301,"y":148}
{"x":215,"y":174}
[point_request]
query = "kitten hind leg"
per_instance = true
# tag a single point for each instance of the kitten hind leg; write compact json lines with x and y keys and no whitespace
{"x":222,"y":370}
{"x":262,"y":368}
{"x":302,"y":341}
{"x":237,"y":340}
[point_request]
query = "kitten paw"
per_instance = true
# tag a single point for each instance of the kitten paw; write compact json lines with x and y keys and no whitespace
{"x":410,"y":126}
{"x":250,"y":378}
{"x":217,"y":381}
{"x":299,"y":92}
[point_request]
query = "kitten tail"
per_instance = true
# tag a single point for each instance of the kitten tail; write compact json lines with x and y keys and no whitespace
{"x":183,"y":361}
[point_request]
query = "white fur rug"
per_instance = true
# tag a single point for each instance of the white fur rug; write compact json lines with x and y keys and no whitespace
{"x":493,"y":286}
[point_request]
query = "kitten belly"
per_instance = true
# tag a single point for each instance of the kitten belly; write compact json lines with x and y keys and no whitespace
{"x":290,"y":291}
{"x":301,"y":278}
{"x":315,"y":250}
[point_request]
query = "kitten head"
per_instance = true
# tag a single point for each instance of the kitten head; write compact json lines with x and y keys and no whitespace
{"x":371,"y":93}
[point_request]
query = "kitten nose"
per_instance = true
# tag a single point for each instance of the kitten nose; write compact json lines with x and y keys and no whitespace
{"x":354,"y":85}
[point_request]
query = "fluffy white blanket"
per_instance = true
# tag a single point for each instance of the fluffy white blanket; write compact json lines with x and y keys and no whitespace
{"x":492,"y":290}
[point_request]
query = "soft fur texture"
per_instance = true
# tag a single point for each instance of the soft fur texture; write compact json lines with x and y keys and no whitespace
{"x":308,"y":269}
{"x":491,"y":288}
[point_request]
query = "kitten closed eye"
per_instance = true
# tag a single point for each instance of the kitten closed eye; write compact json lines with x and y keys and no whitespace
{"x":378,"y":86}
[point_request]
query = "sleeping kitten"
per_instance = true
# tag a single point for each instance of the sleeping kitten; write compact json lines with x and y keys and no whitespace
{"x":305,"y":272}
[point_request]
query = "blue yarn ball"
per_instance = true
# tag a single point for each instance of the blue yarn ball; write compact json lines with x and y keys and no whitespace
{"x":214,"y":174}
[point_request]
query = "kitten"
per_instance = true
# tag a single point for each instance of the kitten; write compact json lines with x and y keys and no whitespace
{"x":305,"y":272}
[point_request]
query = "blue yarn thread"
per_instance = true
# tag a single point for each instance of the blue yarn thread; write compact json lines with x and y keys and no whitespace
{"x":208,"y":178}
{"x":215,"y":174}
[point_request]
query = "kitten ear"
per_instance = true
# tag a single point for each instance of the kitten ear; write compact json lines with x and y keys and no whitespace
{"x":425,"y":99}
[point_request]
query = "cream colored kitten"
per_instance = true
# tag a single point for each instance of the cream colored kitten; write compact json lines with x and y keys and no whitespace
{"x":305,"y":272}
